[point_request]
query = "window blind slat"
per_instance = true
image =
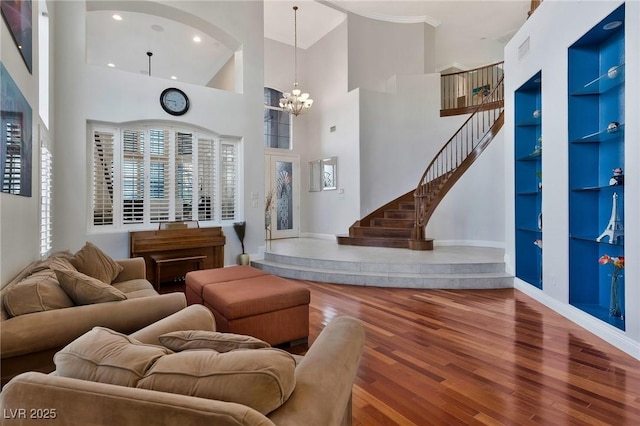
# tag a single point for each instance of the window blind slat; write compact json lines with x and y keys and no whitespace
{"x":228,"y":180}
{"x":46,"y":187}
{"x":159,"y":175}
{"x":206,"y":179}
{"x":184,"y":176}
{"x":133,"y":176}
{"x":103,"y":178}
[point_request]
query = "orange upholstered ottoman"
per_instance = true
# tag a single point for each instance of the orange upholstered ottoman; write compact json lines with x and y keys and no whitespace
{"x":196,"y":281}
{"x":257,"y":304}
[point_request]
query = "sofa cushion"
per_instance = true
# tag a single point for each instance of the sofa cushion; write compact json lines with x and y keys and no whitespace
{"x":262,"y":379}
{"x":201,"y":339}
{"x":61,"y":260}
{"x":85,"y":290}
{"x":92,"y":261}
{"x":139,"y":287}
{"x":36,"y":293}
{"x":106,"y":356}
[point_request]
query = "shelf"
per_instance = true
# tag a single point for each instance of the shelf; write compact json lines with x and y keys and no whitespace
{"x":528,"y":196}
{"x":601,"y":136}
{"x":532,"y":230}
{"x":598,"y":188}
{"x":603,"y":83}
{"x":529,"y":193}
{"x":534,"y":156}
{"x":530,"y":122}
{"x":592,"y":239}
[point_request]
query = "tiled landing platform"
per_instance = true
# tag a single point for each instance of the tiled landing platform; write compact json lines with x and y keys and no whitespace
{"x":452,"y":267}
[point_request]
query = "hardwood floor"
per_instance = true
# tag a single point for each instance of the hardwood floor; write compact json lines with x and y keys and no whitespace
{"x":443,"y":357}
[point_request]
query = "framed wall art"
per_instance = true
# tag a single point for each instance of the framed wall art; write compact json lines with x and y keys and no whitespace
{"x":18,"y":16}
{"x":15,"y":137}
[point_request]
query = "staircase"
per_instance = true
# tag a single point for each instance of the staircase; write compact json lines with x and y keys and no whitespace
{"x":401,"y":223}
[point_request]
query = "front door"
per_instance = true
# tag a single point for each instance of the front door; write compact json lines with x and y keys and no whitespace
{"x":282,"y":182}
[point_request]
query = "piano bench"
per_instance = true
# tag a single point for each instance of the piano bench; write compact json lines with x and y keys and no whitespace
{"x":162,"y":260}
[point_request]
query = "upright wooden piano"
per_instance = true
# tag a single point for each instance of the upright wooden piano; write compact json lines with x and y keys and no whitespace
{"x":170,"y":253}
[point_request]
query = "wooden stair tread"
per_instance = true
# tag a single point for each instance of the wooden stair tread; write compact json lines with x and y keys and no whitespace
{"x":379,"y":231}
{"x":396,"y":224}
{"x":392,"y":222}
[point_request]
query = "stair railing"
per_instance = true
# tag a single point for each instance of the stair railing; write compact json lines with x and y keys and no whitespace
{"x":467,"y":89}
{"x":457,"y":155}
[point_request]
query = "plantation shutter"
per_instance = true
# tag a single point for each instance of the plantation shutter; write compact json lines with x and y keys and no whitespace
{"x":184,"y":176}
{"x":228,"y":180}
{"x":46,"y":189}
{"x":206,"y":179}
{"x":102,"y":177}
{"x":148,"y":174}
{"x":159,"y":185}
{"x":132,"y":176}
{"x":12,"y":155}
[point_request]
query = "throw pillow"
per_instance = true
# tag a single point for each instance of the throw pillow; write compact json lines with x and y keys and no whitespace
{"x":36,"y":293}
{"x":201,"y":339}
{"x":85,"y":290}
{"x":262,"y":379}
{"x":92,"y":261}
{"x":106,"y":356}
{"x":60,"y":258}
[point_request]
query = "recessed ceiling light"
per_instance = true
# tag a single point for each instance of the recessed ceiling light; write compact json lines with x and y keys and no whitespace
{"x":612,"y":25}
{"x":173,"y":77}
{"x":158,"y":28}
{"x":197,"y":39}
{"x":111,"y":65}
{"x":117,"y":17}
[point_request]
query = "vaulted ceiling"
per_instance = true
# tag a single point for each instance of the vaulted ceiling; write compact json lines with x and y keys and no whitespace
{"x":125,"y":43}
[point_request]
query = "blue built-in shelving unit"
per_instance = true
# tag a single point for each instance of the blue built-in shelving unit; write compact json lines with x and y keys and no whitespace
{"x":596,"y":147}
{"x":528,"y":181}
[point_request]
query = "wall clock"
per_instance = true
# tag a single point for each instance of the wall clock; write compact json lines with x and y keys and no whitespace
{"x":174,"y":101}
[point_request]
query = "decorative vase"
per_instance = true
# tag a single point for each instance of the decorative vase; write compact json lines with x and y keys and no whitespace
{"x":243,"y":259}
{"x":614,"y":302}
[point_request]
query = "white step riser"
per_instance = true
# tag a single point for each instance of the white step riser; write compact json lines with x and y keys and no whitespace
{"x":490,"y":280}
{"x":386,"y":268}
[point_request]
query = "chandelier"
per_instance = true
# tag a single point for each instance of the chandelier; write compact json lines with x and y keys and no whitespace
{"x":295,"y":102}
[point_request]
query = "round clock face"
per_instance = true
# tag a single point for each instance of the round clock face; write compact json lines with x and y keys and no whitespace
{"x":174,"y":101}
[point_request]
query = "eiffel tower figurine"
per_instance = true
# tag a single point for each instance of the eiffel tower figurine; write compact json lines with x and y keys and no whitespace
{"x":614,"y":229}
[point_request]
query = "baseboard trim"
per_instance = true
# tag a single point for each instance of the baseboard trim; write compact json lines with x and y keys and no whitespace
{"x":603,"y":330}
{"x":319,"y":236}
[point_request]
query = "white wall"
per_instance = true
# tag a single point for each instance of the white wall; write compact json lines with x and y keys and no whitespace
{"x":548,"y":52}
{"x":380,"y":49}
{"x":19,"y":216}
{"x":94,"y":93}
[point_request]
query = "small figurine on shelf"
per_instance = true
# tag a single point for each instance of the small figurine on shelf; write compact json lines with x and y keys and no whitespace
{"x":617,"y":178}
{"x":615,"y":228}
{"x":613,"y":127}
{"x":538,"y":243}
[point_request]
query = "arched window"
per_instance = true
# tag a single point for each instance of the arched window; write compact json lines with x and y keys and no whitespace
{"x":145,"y":174}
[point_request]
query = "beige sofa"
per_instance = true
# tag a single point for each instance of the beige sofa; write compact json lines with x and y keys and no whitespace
{"x":321,"y":396}
{"x":28,"y":342}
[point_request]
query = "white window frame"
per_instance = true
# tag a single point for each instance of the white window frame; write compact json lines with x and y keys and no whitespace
{"x":199,"y":136}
